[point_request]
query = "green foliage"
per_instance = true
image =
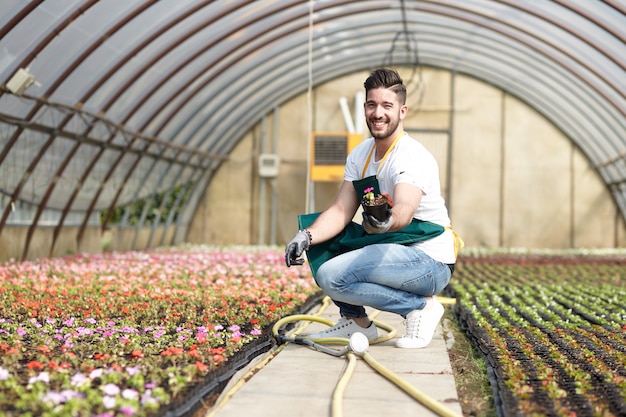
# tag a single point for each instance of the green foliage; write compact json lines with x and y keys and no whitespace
{"x":156,"y":208}
{"x":551,"y":327}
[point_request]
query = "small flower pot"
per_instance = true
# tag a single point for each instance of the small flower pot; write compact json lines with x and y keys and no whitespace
{"x":379,"y":207}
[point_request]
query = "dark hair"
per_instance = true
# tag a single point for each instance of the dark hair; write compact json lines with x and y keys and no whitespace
{"x":386,"y":78}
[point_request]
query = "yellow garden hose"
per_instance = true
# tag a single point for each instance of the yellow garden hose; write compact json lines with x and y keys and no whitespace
{"x":349,"y":352}
{"x":418,"y":395}
{"x":337,"y":402}
{"x":390,"y":331}
{"x":336,"y":408}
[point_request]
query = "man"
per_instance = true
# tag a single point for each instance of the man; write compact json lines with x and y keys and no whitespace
{"x":396,"y":277}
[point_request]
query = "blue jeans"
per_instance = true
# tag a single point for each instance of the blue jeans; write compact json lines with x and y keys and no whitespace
{"x":387,"y":277}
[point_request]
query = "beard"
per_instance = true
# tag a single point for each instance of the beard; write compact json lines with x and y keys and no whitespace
{"x":384,"y":132}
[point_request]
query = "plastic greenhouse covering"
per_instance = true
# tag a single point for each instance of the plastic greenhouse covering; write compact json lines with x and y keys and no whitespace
{"x":104,"y":103}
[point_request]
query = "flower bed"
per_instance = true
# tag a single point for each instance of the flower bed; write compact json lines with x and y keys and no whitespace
{"x":141,"y":333}
{"x":552,"y":328}
{"x":135,"y":333}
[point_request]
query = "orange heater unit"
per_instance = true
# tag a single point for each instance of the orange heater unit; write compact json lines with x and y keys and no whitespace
{"x":328,"y":154}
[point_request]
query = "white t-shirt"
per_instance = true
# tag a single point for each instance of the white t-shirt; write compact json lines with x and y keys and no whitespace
{"x":410,"y":163}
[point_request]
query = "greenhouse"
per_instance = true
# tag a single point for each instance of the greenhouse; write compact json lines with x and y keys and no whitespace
{"x":158,"y":156}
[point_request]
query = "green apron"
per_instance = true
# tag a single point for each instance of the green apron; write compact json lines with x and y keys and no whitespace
{"x":355,"y":237}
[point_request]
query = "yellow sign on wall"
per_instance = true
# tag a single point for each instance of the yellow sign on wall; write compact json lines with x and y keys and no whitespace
{"x":328,"y":154}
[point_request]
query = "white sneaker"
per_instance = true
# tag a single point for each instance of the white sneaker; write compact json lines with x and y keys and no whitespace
{"x":346,"y":328}
{"x":421,"y":326}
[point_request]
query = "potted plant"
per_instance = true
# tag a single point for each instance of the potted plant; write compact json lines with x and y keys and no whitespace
{"x":377,"y":205}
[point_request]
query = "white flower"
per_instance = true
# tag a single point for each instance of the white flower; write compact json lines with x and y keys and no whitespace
{"x":54,"y":397}
{"x":132,"y":370}
{"x":111,"y":389}
{"x":130,"y":394}
{"x":43,"y":377}
{"x":147,"y":398}
{"x":96,"y":373}
{"x":108,"y":402}
{"x":79,"y":379}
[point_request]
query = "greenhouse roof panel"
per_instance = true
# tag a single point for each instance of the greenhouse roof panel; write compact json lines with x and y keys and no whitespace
{"x":153,"y":79}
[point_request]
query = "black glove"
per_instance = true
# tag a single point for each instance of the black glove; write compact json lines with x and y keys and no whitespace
{"x":374,"y":226}
{"x":300,"y":242}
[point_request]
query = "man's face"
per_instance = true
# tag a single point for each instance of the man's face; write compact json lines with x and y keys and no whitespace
{"x":383,"y":113}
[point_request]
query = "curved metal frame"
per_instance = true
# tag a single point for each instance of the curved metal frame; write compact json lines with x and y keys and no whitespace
{"x":187,"y":126}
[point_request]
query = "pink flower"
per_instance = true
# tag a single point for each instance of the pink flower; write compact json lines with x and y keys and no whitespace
{"x":127,"y":410}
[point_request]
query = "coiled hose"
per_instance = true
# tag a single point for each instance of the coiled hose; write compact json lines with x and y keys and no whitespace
{"x":349,"y":352}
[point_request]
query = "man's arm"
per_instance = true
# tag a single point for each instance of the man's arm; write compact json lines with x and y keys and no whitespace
{"x":335,"y":218}
{"x":406,"y":200}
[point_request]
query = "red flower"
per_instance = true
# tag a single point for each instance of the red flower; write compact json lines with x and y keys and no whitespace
{"x":100,"y":356}
{"x":201,"y":367}
{"x":217,"y":350}
{"x":136,"y":354}
{"x":170,"y":351}
{"x":44,"y":349}
{"x":35,"y":365}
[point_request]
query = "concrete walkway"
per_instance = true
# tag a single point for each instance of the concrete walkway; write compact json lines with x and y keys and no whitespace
{"x":297,"y":381}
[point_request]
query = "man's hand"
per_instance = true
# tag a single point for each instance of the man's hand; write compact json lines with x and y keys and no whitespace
{"x":373,"y":226}
{"x":296,"y":247}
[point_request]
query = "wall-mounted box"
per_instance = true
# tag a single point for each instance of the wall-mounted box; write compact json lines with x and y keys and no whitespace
{"x":328,"y":154}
